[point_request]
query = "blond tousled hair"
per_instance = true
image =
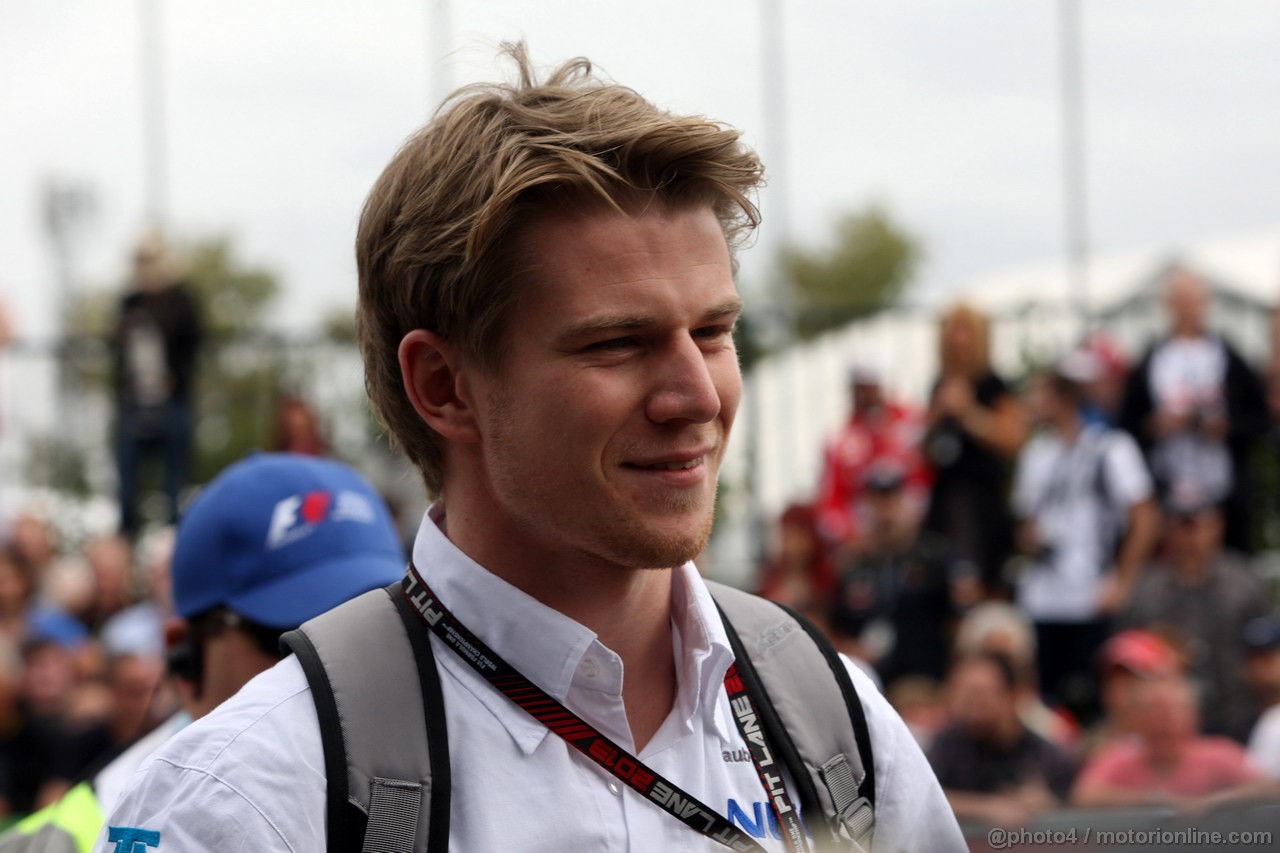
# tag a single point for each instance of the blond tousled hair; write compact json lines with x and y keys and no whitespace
{"x":439,"y":246}
{"x":976,"y":360}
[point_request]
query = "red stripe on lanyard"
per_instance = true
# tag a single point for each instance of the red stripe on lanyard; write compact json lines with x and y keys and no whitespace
{"x":582,"y":736}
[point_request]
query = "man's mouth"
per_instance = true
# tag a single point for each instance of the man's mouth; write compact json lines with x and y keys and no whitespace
{"x":669,"y":466}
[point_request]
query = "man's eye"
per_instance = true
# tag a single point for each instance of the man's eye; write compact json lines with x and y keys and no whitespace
{"x":613,"y":344}
{"x":713,"y":332}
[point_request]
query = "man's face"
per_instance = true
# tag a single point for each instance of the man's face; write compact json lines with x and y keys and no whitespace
{"x":980,"y":700}
{"x":603,"y":431}
{"x":1187,"y":298}
{"x":1195,"y":537}
{"x":867,"y":397}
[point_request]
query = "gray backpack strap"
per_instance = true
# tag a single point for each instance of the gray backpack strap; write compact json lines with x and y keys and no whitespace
{"x":812,"y":712}
{"x":388,"y":788}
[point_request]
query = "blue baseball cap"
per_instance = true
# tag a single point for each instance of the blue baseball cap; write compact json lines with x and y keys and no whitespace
{"x":279,"y":538}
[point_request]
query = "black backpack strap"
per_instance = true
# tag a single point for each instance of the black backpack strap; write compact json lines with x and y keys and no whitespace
{"x":345,"y":824}
{"x":437,"y":729}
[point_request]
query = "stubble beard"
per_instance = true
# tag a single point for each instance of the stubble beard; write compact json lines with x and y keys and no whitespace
{"x":617,"y":538}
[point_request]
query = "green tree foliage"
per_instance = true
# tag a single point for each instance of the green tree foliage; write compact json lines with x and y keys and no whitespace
{"x":240,"y":371}
{"x":234,"y":296}
{"x":863,"y":270}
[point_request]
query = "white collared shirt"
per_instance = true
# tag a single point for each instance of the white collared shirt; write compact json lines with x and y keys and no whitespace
{"x":250,"y":776}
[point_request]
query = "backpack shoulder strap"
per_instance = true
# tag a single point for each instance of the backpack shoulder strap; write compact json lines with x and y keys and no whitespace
{"x":387,"y":785}
{"x":812,"y":714}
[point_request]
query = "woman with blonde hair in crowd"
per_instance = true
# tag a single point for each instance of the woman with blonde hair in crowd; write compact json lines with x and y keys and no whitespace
{"x":975,"y":428}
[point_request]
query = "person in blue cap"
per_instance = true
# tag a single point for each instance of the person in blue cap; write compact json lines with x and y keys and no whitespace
{"x":273,"y":541}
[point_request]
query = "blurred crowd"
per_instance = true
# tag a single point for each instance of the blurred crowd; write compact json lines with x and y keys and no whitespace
{"x":81,"y":656}
{"x":84,"y":625}
{"x":1054,"y":575}
{"x":1053,"y":578}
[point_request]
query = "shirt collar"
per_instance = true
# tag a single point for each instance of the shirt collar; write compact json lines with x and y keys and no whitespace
{"x":549,"y":648}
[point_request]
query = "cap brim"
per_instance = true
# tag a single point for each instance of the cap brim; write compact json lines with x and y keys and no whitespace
{"x":289,"y":601}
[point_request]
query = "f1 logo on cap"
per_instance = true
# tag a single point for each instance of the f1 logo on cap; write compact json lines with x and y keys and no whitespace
{"x":313,"y":508}
{"x":297,"y":516}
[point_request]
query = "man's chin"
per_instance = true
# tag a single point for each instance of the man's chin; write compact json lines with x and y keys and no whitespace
{"x":663,"y":545}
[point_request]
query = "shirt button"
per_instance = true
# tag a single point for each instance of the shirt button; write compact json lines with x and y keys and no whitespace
{"x":615,"y":788}
{"x":590,"y":668}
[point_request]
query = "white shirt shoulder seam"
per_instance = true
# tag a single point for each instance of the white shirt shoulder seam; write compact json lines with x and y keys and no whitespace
{"x":233,"y":789}
{"x":255,"y":721}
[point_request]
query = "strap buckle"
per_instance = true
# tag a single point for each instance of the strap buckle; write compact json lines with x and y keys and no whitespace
{"x":854,"y":814}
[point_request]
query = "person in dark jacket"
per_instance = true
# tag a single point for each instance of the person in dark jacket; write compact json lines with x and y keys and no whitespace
{"x":156,"y":341}
{"x":1196,"y":408}
{"x":975,"y":428}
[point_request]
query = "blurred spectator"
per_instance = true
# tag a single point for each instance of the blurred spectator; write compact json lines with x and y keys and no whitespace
{"x":41,"y":753}
{"x":6,"y":325}
{"x":975,"y":427}
{"x":1169,"y":762}
{"x":139,"y":629}
{"x":235,"y":593}
{"x":1104,"y":388}
{"x":997,"y":627}
{"x":298,"y":428}
{"x":1273,"y":369}
{"x":1204,"y":596}
{"x":1196,"y":408}
{"x":894,"y":601}
{"x":991,"y":766}
{"x":34,"y":546}
{"x":799,"y":576}
{"x":156,"y":339}
{"x":110,"y":561}
{"x":1087,"y":523}
{"x":17,"y":588}
{"x":1124,"y":662}
{"x":878,"y":432}
{"x":921,"y":704}
{"x":1262,"y":668}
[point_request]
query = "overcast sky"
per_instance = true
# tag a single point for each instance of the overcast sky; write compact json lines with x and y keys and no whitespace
{"x":281,"y":114}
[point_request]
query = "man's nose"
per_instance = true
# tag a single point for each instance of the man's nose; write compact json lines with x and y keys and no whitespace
{"x":684,"y":385}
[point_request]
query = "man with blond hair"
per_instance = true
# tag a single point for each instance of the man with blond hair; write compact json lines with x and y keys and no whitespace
{"x":546,"y":312}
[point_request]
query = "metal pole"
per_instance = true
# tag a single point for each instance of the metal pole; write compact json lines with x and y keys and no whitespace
{"x":155,"y":151}
{"x":1074,"y":174}
{"x":775,"y":144}
{"x":778,"y":327}
{"x":67,"y":208}
{"x":439,"y":33}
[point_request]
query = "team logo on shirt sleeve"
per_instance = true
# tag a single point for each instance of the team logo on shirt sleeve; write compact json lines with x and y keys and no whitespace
{"x":131,"y":839}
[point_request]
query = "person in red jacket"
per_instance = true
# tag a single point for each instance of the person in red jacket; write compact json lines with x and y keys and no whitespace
{"x":878,"y":431}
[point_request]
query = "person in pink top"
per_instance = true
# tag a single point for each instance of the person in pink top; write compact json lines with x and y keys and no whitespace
{"x":1169,"y":762}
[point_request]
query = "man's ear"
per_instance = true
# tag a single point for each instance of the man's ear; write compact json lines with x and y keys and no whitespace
{"x":429,"y":367}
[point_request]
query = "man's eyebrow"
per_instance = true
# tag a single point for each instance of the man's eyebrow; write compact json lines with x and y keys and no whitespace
{"x":732,"y":308}
{"x":594,"y":326}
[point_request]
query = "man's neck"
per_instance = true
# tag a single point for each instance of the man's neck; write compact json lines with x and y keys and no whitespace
{"x":628,"y":609}
{"x":1193,"y":569}
{"x":1069,"y":427}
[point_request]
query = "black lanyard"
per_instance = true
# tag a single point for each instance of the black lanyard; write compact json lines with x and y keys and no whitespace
{"x":583,"y":737}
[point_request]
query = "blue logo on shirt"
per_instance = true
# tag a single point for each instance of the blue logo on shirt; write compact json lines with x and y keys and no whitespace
{"x":758,"y":821}
{"x":131,"y":840}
